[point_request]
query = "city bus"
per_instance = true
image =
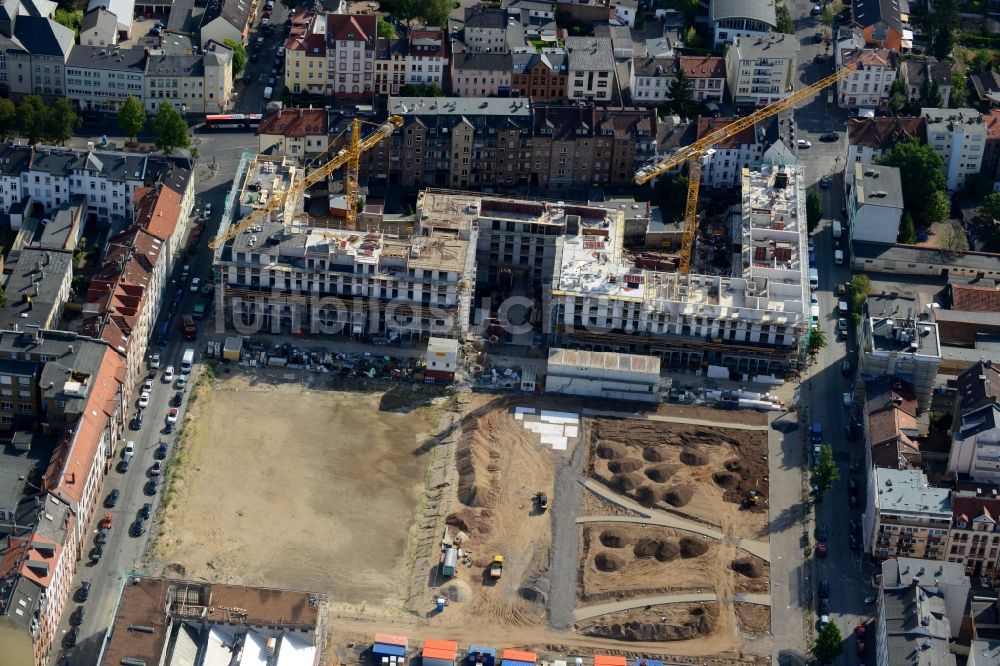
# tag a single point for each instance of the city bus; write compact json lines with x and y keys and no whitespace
{"x":232,"y":121}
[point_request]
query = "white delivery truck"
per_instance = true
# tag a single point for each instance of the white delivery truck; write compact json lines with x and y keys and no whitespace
{"x":268,"y":92}
{"x":187,"y":360}
{"x":837,"y":229}
{"x":813,"y":278}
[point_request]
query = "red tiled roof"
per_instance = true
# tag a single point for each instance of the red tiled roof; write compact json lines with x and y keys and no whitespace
{"x":884,"y":132}
{"x":703,"y":67}
{"x":158,"y":212}
{"x":992,"y":122}
{"x":295,"y":123}
{"x":967,"y":509}
{"x":747,"y":137}
{"x":975,"y":298}
{"x":351,"y":27}
{"x":881,"y":58}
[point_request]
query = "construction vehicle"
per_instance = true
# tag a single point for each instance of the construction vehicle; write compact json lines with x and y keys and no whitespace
{"x":542,"y":500}
{"x":751,"y":500}
{"x":697,"y":154}
{"x":496,"y":567}
{"x":348,"y":157}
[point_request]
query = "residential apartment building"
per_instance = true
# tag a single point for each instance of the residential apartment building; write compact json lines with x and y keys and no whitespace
{"x":34,"y":53}
{"x":99,"y":28}
{"x":732,"y":19}
{"x":99,"y":79}
{"x":760,"y":70}
{"x":974,"y":539}
{"x":975,"y":447}
{"x":890,"y":422}
{"x":426,"y":57}
{"x":227,"y":19}
{"x":305,"y":55}
{"x":37,"y":287}
{"x":476,"y":74}
{"x":457,"y":142}
{"x":301,"y":133}
{"x":707,"y":75}
{"x":579,"y":146}
{"x":351,"y":55}
{"x":959,"y":136}
{"x":485,"y":30}
{"x":881,"y":22}
{"x":905,"y":516}
{"x":916,"y":70}
{"x":869,"y":83}
{"x":868,"y":139}
{"x":895,"y":342}
{"x":542,"y":77}
{"x":591,"y":69}
{"x":651,"y":79}
{"x":194,"y":84}
{"x":537,"y":17}
{"x":390,"y":65}
{"x":874,"y":202}
{"x":991,"y":149}
{"x":107,"y":180}
{"x":986,"y":86}
{"x":723,"y":168}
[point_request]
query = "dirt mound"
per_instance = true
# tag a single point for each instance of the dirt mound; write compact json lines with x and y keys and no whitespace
{"x":734,"y":465}
{"x":624,"y":483}
{"x":472,"y":491}
{"x":174,"y":569}
{"x":679,"y":495}
{"x":663,"y":551}
{"x":624,"y":466}
{"x":660,"y":473}
{"x":471,"y":521}
{"x":691,"y":547}
{"x":457,"y":591}
{"x":693,"y":458}
{"x":747,"y":567}
{"x":697,"y":622}
{"x":532,"y":594}
{"x":647,"y":495}
{"x":610,"y":451}
{"x":726,"y":480}
{"x":608,"y":562}
{"x":613,"y":539}
{"x":652,"y":454}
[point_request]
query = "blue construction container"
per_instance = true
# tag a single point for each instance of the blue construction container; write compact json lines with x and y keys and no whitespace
{"x":648,"y":662}
{"x":482,"y":655}
{"x":380,"y":650}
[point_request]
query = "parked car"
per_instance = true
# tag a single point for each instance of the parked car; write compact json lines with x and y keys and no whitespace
{"x":161,"y":451}
{"x":821,"y":532}
{"x":824,"y":589}
{"x":147,"y":386}
{"x":824,"y":182}
{"x":830,"y":137}
{"x":105,"y":523}
{"x":842,"y":326}
{"x":137,"y":421}
{"x":96,"y":552}
{"x":168,"y":428}
{"x":182,"y":380}
{"x":195,"y":284}
{"x":69,"y":640}
{"x":145,"y":511}
{"x":144,"y":400}
{"x":150,"y":487}
{"x":862,"y":647}
{"x":802,"y":143}
{"x":102,"y":536}
{"x":168,"y":374}
{"x":824,"y":606}
{"x":76,"y":619}
{"x":815,"y":11}
{"x":821,"y":551}
{"x":178,"y":399}
{"x":84,"y":592}
{"x":852,"y":488}
{"x":172,"y":415}
{"x":137,"y":528}
{"x":860,"y":630}
{"x":112,"y":498}
{"x":156,"y":468}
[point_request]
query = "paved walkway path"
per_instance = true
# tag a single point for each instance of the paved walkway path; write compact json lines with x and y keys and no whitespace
{"x":664,"y":519}
{"x":673,"y":419}
{"x":587,"y":612}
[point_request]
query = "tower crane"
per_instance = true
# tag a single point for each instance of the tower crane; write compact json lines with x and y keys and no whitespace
{"x":696,"y":152}
{"x":348,"y":157}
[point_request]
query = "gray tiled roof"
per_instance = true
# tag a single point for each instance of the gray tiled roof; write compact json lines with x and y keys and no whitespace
{"x":490,"y":19}
{"x":590,"y":54}
{"x":43,"y":36}
{"x":236,"y":12}
{"x":14,"y":159}
{"x":38,"y":275}
{"x":105,"y":58}
{"x":758,"y":10}
{"x":489,"y":62}
{"x":99,"y":18}
{"x":175,"y":65}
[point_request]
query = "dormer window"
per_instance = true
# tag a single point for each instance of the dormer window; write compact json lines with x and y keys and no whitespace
{"x":961,"y":525}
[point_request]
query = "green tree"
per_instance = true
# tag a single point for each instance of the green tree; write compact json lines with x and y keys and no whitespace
{"x":70,"y":18}
{"x":8,"y":118}
{"x":32,"y":116}
{"x":817,"y":339}
{"x":959,"y":92}
{"x":421,"y":90}
{"x":681,"y":93}
{"x":170,"y":129}
{"x":814,"y":210}
{"x":670,"y":194}
{"x":897,"y":97}
{"x":435,"y":12}
{"x":981,"y":61}
{"x":930,"y":94}
{"x":991,"y":208}
{"x":952,"y":239}
{"x":978,"y":185}
{"x":61,"y":121}
{"x":692,"y":39}
{"x":784,"y":17}
{"x":3,"y":297}
{"x":239,"y":55}
{"x":861,"y":286}
{"x":944,"y":43}
{"x":907,"y":230}
{"x":404,"y":10}
{"x":924,"y":184}
{"x":131,"y":117}
{"x":385,"y":29}
{"x":829,"y":644}
{"x":688,"y":7}
{"x":827,"y":18}
{"x":825,"y":473}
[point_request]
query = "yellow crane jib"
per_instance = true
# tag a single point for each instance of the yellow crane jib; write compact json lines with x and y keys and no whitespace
{"x":698,"y":148}
{"x":348,"y":157}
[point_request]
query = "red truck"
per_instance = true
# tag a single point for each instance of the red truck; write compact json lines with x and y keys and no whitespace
{"x":188,"y":327}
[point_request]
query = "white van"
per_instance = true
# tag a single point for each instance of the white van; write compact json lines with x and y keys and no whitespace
{"x":187,"y":360}
{"x":814,"y":312}
{"x":268,"y":92}
{"x":837,"y":229}
{"x":838,"y":257}
{"x":813,"y":278}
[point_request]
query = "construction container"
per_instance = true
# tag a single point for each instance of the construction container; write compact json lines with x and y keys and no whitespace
{"x":233,"y":347}
{"x":648,"y":662}
{"x":608,"y":660}
{"x":388,"y":649}
{"x":449,"y":562}
{"x":482,"y":655}
{"x":439,"y":653}
{"x":518,"y":658}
